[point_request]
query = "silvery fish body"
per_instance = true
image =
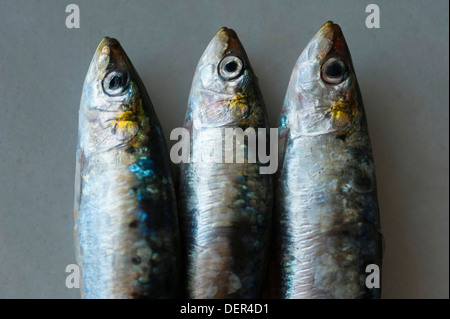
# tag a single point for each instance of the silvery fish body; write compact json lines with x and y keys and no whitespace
{"x":225,"y":208}
{"x":126,"y":229}
{"x":327,"y":222}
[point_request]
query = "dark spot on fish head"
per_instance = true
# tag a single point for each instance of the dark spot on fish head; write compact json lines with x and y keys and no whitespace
{"x":334,"y":71}
{"x":133,"y":224}
{"x":136,"y":260}
{"x":342,"y":137}
{"x":130,"y":150}
{"x":362,"y":181}
{"x":116,"y":82}
{"x":231,"y":66}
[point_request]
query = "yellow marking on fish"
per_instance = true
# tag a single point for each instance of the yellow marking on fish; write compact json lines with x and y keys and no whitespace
{"x":344,"y":112}
{"x":132,"y":118}
{"x":126,"y":119}
{"x":239,"y":104}
{"x":340,"y":108}
{"x":346,"y":115}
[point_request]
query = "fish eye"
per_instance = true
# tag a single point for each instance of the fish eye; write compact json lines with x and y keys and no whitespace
{"x":115,"y":83}
{"x":230,"y":68}
{"x":334,"y":71}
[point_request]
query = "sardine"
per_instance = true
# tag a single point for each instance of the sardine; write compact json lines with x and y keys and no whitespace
{"x":126,"y":228}
{"x":225,"y":208}
{"x":327,"y":220}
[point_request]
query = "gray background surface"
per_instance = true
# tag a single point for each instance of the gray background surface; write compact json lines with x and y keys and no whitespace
{"x":402,"y":70}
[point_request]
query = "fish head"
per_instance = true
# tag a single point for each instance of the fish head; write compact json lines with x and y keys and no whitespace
{"x":111,"y":106}
{"x":224,"y":87}
{"x":323,"y":94}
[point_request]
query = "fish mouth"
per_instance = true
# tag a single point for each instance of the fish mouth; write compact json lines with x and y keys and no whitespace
{"x":328,"y":41}
{"x":108,"y":43}
{"x":225,"y":33}
{"x":109,"y":50}
{"x":332,"y":33}
{"x":329,"y":30}
{"x":227,"y":40}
